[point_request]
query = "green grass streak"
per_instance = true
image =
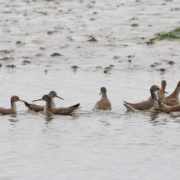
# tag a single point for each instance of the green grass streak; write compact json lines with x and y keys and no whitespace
{"x":175,"y":34}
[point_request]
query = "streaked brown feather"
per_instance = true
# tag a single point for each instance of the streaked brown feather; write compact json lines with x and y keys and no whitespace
{"x":173,"y":98}
{"x":171,"y":101}
{"x":169,"y":109}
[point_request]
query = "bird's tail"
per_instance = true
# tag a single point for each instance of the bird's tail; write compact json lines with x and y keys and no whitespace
{"x":26,"y":103}
{"x":75,"y":106}
{"x":129,"y":108}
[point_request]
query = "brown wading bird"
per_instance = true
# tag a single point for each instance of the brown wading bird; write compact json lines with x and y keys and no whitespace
{"x":49,"y":110}
{"x":38,"y":108}
{"x":104,"y":103}
{"x":169,"y":109}
{"x":151,"y":103}
{"x":161,"y":93}
{"x":11,"y":110}
{"x":173,"y":99}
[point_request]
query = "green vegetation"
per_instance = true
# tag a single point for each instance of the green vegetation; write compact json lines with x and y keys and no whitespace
{"x":175,"y":34}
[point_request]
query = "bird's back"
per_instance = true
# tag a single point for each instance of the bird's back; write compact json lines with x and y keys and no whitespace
{"x":5,"y":111}
{"x":142,"y":105}
{"x":34,"y":107}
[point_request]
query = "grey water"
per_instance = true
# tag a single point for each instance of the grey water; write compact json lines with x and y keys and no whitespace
{"x":91,"y":145}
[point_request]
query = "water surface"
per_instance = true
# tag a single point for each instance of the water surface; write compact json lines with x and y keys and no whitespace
{"x":89,"y":145}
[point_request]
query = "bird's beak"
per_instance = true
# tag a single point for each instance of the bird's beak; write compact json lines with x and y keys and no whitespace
{"x":59,"y":97}
{"x":37,"y":100}
{"x":21,"y":100}
{"x":100,"y":93}
{"x":162,"y":91}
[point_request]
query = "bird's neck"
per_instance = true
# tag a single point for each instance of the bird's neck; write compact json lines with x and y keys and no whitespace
{"x":104,"y":96}
{"x":52,"y":103}
{"x":163,"y":87}
{"x":13,"y":106}
{"x":48,"y":107}
{"x":177,"y":90}
{"x":154,"y":95}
